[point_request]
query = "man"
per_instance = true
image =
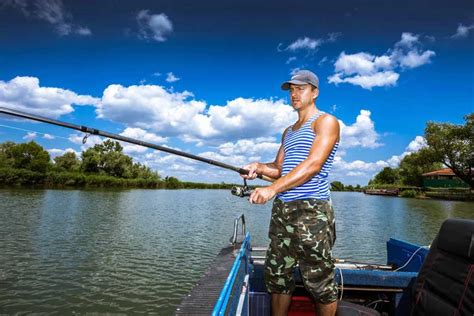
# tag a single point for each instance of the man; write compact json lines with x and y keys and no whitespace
{"x":302,"y":227}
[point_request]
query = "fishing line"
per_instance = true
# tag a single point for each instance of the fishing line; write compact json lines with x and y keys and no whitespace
{"x":33,"y":131}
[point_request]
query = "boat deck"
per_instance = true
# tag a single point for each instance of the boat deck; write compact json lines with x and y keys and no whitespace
{"x":203,"y":297}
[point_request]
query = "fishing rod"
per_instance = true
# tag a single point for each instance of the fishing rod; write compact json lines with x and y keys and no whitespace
{"x":239,"y":191}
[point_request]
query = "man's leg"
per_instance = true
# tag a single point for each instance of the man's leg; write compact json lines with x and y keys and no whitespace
{"x":326,"y":309}
{"x":280,"y":304}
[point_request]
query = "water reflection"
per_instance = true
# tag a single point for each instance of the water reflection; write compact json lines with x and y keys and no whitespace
{"x":141,"y":251}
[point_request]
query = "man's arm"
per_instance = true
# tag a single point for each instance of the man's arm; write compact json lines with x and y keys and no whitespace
{"x":327,"y":134}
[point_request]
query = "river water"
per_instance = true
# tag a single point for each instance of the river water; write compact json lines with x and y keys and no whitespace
{"x":140,"y":251}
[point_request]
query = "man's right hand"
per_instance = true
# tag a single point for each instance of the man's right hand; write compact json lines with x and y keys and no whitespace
{"x":252,"y":168}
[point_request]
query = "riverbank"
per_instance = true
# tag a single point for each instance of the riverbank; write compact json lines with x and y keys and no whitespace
{"x":10,"y":177}
{"x":453,"y":194}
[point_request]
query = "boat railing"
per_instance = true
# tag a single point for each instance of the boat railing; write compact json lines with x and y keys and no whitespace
{"x":238,"y":219}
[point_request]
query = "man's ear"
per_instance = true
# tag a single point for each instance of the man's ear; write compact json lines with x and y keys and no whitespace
{"x":315,"y":93}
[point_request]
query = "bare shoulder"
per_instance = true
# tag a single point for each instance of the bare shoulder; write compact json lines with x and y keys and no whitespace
{"x":284,"y":133}
{"x":326,"y":121}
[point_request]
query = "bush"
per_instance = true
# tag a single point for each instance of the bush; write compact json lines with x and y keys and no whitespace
{"x":408,"y":194}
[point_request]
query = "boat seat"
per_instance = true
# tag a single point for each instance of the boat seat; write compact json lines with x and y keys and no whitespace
{"x":445,"y":283}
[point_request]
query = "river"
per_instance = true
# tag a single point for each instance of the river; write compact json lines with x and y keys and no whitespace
{"x":140,"y":251}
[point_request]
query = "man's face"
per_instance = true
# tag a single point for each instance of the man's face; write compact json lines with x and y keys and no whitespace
{"x":302,"y":95}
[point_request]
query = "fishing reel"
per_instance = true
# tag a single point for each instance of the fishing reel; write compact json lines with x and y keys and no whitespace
{"x":241,"y":191}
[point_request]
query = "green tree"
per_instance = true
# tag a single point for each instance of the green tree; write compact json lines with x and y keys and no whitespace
{"x":107,"y":158}
{"x":452,"y":145}
{"x":414,"y":165}
{"x":337,"y":186}
{"x":386,"y":176}
{"x":349,"y":188}
{"x":172,"y":183}
{"x":67,"y":162}
{"x":6,"y":159}
{"x":30,"y":156}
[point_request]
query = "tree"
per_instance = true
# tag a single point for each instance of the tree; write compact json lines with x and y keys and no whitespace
{"x":67,"y":162}
{"x":453,"y":145}
{"x":107,"y":158}
{"x":386,"y":176}
{"x":414,"y":165}
{"x":30,"y":156}
{"x":6,"y":159}
{"x":337,"y":186}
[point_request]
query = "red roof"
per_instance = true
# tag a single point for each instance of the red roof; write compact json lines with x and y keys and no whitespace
{"x":440,"y":172}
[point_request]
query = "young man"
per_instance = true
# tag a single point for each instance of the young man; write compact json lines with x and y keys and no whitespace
{"x":302,"y":227}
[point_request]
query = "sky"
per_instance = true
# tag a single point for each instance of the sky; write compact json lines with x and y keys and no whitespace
{"x":204,"y":76}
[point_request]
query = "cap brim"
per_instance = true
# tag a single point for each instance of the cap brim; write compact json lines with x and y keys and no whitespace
{"x":286,"y":85}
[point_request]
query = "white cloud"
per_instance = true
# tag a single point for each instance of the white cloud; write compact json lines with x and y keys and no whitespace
{"x":25,"y":94}
{"x":360,"y":134}
{"x":408,"y":40}
{"x":291,"y":59}
{"x":140,"y":134}
{"x":380,"y":79}
{"x":30,"y":136}
{"x":178,"y":114}
{"x":55,"y":152}
{"x":48,"y":136}
{"x":368,"y":71}
{"x":170,"y":77}
{"x":52,"y":12}
{"x":418,"y":143}
{"x":366,"y":170}
{"x":255,"y":147}
{"x":153,"y":26}
{"x":414,"y":59}
{"x":78,"y":139}
{"x":305,"y":43}
{"x":462,"y":31}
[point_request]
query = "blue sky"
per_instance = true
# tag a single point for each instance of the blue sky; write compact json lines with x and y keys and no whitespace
{"x":204,"y":76}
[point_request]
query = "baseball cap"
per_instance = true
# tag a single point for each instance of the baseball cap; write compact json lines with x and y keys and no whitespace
{"x":302,"y":77}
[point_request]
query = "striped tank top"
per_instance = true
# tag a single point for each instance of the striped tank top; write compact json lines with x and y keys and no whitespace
{"x":297,"y":145}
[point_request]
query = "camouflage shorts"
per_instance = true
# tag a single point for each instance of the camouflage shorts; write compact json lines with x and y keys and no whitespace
{"x":302,"y":232}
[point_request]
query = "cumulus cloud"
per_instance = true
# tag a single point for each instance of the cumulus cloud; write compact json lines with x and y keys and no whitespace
{"x":143,"y":135}
{"x":304,"y":43}
{"x":365,"y":170}
{"x":360,"y":134}
{"x":261,"y":146}
{"x":154,"y":26}
{"x":26,"y":94}
{"x":170,"y":77}
{"x":52,"y":12}
{"x":55,"y":152}
{"x":462,"y":31}
{"x":48,"y":136}
{"x":179,"y":114}
{"x":367,"y":70}
{"x":30,"y":136}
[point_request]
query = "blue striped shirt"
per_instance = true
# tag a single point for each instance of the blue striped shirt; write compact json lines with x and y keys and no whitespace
{"x":297,"y":145}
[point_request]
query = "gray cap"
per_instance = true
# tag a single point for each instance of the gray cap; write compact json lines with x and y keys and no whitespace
{"x":302,"y":77}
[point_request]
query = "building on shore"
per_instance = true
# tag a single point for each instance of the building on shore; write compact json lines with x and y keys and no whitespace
{"x":442,"y":178}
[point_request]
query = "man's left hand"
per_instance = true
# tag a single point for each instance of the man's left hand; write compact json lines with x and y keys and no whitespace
{"x":261,"y":195}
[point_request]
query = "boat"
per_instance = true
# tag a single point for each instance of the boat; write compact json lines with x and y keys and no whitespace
{"x":415,"y":280}
{"x":389,"y":192}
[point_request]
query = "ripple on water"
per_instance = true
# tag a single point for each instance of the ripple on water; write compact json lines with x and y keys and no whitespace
{"x":141,"y":251}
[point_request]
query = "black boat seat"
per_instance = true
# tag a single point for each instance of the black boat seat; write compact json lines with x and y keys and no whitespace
{"x":445,"y":283}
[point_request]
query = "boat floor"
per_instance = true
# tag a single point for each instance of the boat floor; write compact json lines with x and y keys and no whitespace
{"x":203,"y":297}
